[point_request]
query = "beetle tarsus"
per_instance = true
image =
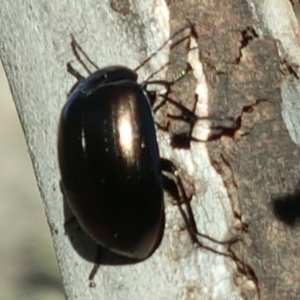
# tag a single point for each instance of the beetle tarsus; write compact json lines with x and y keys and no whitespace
{"x":188,"y":216}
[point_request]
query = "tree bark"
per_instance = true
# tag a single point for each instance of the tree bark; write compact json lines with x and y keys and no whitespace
{"x":244,"y":59}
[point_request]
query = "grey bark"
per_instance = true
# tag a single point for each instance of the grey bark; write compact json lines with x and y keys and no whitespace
{"x":35,"y":47}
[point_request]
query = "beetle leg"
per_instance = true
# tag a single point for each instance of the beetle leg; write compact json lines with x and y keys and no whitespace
{"x":159,"y":106}
{"x":219,"y":124}
{"x":167,"y":84}
{"x":188,"y":215}
{"x":95,"y":268}
{"x":171,"y":186}
{"x":76,"y":48}
{"x":74,"y":72}
{"x":72,"y":220}
{"x":161,"y":127}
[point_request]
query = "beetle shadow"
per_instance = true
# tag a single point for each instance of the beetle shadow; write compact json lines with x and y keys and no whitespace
{"x":86,"y":247}
{"x":219,"y":125}
{"x":286,"y":208}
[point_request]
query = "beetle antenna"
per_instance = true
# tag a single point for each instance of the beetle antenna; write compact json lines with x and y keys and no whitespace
{"x":177,"y":32}
{"x":76,"y":48}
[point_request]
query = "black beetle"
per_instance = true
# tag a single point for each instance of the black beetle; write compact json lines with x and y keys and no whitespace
{"x":111,"y":171}
{"x":110,"y":166}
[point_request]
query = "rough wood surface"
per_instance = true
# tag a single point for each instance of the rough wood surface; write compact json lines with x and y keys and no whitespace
{"x":250,"y":56}
{"x":248,"y":180}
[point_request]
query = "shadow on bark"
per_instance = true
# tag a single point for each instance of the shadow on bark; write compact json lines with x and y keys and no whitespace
{"x":287,"y":208}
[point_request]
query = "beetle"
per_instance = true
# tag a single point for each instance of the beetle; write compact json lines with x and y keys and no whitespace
{"x":110,"y":164}
{"x":111,"y":170}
